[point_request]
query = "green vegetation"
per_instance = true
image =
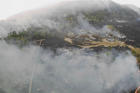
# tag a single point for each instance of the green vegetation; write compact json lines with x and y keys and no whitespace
{"x":135,"y":52}
{"x":96,"y":17}
{"x":111,"y":27}
{"x":92,"y":18}
{"x":71,"y":19}
{"x":25,"y":37}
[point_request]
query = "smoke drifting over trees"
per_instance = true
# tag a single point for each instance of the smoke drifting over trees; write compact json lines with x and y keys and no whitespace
{"x":76,"y":71}
{"x":68,"y":70}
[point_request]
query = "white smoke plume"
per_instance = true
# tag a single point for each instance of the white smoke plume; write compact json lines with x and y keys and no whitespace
{"x":33,"y":69}
{"x":54,"y":17}
{"x":60,"y":25}
{"x":68,"y":71}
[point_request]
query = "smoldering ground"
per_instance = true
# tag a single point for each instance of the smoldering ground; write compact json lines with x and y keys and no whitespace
{"x":70,"y":71}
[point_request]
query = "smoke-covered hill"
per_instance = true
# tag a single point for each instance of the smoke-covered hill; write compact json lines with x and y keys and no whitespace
{"x":82,"y":46}
{"x":78,"y":17}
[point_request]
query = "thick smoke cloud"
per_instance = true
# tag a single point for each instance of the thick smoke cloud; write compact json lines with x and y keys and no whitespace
{"x":67,"y":71}
{"x":54,"y":17}
{"x":35,"y":70}
{"x":60,"y":25}
{"x":136,"y":9}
